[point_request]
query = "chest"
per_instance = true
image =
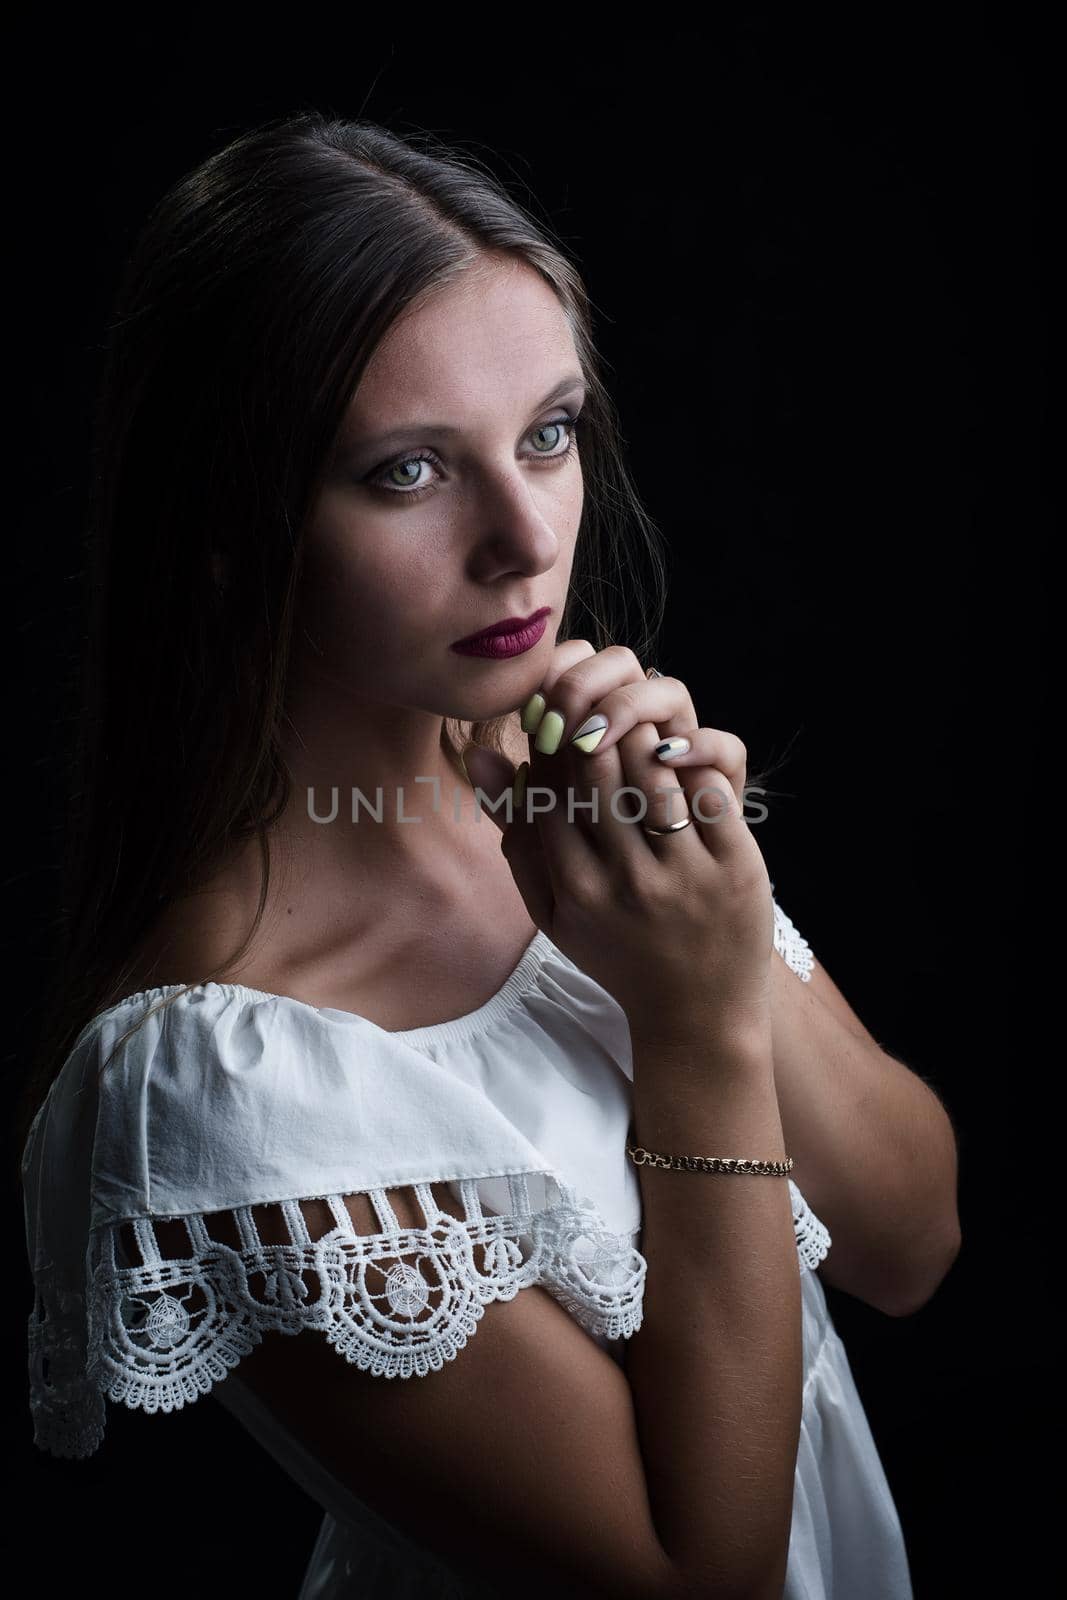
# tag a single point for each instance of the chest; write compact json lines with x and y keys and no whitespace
{"x":436,"y":957}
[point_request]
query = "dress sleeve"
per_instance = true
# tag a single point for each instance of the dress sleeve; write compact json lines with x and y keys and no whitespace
{"x":256,"y":1170}
{"x":812,"y":1235}
{"x":791,"y":944}
{"x":395,"y":1279}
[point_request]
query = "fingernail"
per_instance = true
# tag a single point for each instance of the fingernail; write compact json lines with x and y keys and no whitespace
{"x":653,"y":672}
{"x":672,"y":747}
{"x":550,"y":732}
{"x":592,"y":730}
{"x":532,"y":712}
{"x":518,"y":787}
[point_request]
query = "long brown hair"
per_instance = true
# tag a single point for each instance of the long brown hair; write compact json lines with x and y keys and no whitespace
{"x":254,"y":296}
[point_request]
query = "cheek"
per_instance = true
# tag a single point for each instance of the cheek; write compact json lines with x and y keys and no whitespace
{"x":571,"y":509}
{"x":364,"y":589}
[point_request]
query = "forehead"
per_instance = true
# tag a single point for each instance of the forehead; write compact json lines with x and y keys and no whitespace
{"x":496,"y":333}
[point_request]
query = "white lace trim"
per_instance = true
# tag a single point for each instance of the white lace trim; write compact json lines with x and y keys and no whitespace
{"x":67,"y":1408}
{"x":812,"y":1236}
{"x":162,"y":1333}
{"x":792,"y":946}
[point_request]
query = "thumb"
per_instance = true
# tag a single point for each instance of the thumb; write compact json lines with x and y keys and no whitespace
{"x":492,"y":773}
{"x":494,"y":776}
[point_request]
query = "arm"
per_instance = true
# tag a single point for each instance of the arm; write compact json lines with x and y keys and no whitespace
{"x":875,"y":1149}
{"x":720,"y":1438}
{"x":532,"y":1460}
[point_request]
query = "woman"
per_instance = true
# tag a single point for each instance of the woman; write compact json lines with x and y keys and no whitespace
{"x":338,"y":440}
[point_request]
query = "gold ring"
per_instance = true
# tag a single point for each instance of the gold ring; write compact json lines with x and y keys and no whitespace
{"x":684,"y":823}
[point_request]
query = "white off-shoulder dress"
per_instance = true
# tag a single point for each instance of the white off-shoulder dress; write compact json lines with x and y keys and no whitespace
{"x":232,"y":1098}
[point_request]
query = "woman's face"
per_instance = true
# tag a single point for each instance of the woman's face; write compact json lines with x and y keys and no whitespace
{"x":427,"y":536}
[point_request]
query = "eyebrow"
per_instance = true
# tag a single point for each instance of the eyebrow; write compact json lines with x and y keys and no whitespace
{"x":444,"y":430}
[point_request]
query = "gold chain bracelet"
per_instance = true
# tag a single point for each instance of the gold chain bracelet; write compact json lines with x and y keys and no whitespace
{"x":650,"y":1158}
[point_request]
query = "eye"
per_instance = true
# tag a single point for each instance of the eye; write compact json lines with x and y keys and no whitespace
{"x":376,"y":478}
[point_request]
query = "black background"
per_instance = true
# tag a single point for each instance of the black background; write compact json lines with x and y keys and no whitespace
{"x":815,"y":251}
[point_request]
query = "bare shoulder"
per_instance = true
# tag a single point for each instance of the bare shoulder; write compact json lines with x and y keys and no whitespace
{"x":194,"y":935}
{"x":178,"y":949}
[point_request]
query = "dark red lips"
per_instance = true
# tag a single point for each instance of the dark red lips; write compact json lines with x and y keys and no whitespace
{"x":509,"y":625}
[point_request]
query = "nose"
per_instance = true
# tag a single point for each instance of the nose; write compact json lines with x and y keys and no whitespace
{"x":516,"y":528}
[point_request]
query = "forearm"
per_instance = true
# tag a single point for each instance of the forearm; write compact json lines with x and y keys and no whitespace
{"x":874,"y":1149}
{"x":716,"y":1368}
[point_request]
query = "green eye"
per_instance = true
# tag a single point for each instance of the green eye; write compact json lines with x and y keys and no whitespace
{"x":377,"y":478}
{"x":546,"y":425}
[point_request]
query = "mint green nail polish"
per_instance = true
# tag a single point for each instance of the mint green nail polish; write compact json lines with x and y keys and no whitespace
{"x":532,"y":712}
{"x":550,"y":732}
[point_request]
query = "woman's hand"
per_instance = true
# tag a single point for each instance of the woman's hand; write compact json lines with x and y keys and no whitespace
{"x":678,"y":927}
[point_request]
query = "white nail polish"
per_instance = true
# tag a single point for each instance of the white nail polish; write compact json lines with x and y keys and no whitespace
{"x":672,"y":747}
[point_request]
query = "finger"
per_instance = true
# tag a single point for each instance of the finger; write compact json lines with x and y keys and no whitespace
{"x":570,"y":693}
{"x":707,"y":798}
{"x":664,"y":702}
{"x":646,"y":793}
{"x":569,"y":854}
{"x":598,"y":801}
{"x":492,"y":776}
{"x":615,"y":678}
{"x":706,"y":747}
{"x":523,"y":851}
{"x":498,"y":795}
{"x":564,"y":656}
